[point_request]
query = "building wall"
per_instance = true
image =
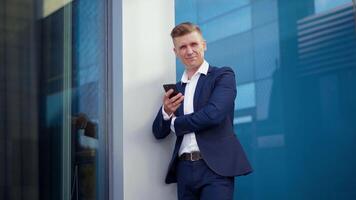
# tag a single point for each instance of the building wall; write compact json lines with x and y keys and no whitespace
{"x":147,"y":62}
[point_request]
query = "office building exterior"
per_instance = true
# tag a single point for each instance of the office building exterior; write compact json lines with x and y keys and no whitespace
{"x":81,"y":82}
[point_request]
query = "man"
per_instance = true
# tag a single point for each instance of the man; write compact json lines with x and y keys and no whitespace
{"x":207,"y":154}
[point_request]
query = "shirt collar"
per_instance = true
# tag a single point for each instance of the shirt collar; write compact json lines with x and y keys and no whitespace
{"x":203,"y":69}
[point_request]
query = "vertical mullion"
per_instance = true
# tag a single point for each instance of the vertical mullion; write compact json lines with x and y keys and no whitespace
{"x":67,"y":97}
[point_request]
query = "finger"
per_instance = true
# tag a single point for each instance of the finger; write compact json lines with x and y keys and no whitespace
{"x":169,"y":92}
{"x":166,"y":96}
{"x":168,"y":105}
{"x":173,"y":99}
{"x":165,"y":100}
{"x":177,"y":103}
{"x":176,"y":107}
{"x":179,"y":100}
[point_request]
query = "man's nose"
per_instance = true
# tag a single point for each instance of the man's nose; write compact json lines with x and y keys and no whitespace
{"x":189,"y":50}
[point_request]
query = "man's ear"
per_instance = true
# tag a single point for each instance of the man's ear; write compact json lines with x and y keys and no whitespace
{"x":175,"y":51}
{"x":205,"y":46}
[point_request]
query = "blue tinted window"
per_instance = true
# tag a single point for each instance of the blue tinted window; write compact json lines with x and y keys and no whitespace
{"x":264,"y":11}
{"x":325,"y":5}
{"x":228,"y":24}
{"x":187,"y":10}
{"x":238,"y":53}
{"x":208,"y":9}
{"x":266,"y":50}
{"x":264,"y":94}
{"x":53,"y":99}
{"x":295,"y":106}
{"x":245,"y":96}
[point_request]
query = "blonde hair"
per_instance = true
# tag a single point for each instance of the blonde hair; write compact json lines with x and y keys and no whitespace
{"x":184,"y":28}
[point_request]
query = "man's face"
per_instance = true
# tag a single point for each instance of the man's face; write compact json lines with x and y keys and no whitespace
{"x":190,"y":49}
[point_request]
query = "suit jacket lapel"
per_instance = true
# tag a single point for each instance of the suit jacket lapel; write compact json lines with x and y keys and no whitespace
{"x":199,"y":88}
{"x":181,"y":89}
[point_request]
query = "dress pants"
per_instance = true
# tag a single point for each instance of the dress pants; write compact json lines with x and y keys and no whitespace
{"x":196,"y":181}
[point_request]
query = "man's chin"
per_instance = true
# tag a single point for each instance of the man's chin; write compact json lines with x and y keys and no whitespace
{"x":192,"y":66}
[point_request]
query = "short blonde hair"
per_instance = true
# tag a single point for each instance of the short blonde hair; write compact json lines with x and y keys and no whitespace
{"x":184,"y":29}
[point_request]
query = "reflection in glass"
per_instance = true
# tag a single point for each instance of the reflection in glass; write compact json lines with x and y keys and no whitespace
{"x":245,"y":97}
{"x":209,"y":9}
{"x":227,"y":24}
{"x":325,"y":5}
{"x":53,"y":108}
{"x":295,"y":66}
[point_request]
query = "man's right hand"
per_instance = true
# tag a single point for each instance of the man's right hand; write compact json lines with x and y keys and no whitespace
{"x":172,"y":104}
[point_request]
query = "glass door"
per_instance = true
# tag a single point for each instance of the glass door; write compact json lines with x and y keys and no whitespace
{"x":53,"y":99}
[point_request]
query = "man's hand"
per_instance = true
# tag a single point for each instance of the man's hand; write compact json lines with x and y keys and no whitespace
{"x":172,"y":104}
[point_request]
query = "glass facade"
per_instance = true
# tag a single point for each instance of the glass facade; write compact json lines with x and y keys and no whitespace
{"x":295,"y":63}
{"x":53,"y":99}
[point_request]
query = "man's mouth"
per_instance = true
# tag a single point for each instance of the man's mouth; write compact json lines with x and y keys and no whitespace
{"x":191,"y":58}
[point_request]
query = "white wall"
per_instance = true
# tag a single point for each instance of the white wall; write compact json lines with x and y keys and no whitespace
{"x":148,"y":62}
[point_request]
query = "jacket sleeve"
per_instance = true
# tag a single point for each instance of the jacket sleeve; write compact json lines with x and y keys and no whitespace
{"x":160,"y":127}
{"x":220,"y":104}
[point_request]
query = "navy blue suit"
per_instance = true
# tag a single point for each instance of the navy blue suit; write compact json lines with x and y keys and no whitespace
{"x":212,"y":123}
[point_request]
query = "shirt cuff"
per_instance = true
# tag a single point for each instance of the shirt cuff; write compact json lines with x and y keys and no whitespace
{"x":165,"y":115}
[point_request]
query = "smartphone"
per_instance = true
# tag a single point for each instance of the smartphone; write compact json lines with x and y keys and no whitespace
{"x":171,"y":86}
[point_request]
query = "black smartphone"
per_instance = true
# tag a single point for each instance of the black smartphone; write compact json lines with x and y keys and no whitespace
{"x":171,"y":86}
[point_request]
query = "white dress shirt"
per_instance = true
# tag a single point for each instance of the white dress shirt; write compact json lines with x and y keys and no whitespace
{"x":189,"y":143}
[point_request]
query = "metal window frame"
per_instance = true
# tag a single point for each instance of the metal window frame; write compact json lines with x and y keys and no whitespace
{"x":115,"y":100}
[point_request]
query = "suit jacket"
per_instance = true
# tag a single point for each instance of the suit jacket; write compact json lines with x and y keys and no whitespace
{"x":212,"y":122}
